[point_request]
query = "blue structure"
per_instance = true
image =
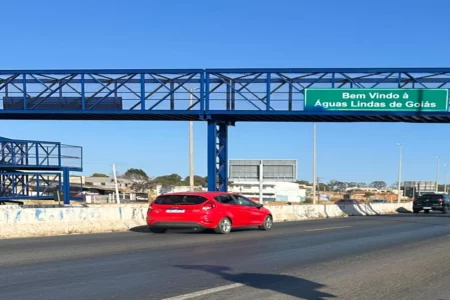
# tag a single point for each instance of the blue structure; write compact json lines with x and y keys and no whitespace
{"x":32,"y":169}
{"x":220,"y":97}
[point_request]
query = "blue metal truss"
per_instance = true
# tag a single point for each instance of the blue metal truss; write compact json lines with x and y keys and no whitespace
{"x":218,"y":156}
{"x":218,"y":96}
{"x":25,"y":169}
{"x":28,"y":185}
{"x":39,"y":155}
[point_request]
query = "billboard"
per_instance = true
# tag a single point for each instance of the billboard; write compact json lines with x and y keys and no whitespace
{"x":415,"y":188}
{"x":278,"y":170}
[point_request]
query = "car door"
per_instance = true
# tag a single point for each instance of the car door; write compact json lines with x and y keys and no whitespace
{"x":233,"y":209}
{"x":252,"y":214}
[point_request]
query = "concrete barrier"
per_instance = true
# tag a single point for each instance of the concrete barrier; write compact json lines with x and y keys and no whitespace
{"x":16,"y":221}
{"x":26,"y":222}
{"x":376,"y":209}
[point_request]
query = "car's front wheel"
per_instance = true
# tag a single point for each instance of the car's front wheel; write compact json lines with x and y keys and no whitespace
{"x":224,"y":226}
{"x":268,"y":223}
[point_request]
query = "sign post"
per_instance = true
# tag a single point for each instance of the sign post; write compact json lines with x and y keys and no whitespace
{"x":377,"y":100}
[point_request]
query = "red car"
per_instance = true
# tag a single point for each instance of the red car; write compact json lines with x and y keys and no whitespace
{"x":206,"y":210}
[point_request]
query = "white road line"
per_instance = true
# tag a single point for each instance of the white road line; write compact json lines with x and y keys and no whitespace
{"x":206,"y":292}
{"x":328,"y":228}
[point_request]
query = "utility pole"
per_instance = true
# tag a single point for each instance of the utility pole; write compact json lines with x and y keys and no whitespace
{"x":437,"y":174}
{"x":446,"y":173}
{"x":399,"y":173}
{"x":314,"y":163}
{"x":115,"y":184}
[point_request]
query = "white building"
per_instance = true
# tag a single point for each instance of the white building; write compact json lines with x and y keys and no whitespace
{"x":164,"y":189}
{"x":272,"y":191}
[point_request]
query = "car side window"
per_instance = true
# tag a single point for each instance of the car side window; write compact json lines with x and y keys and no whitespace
{"x":226,"y":199}
{"x":243,"y":201}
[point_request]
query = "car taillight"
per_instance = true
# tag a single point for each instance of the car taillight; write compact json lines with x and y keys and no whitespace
{"x":150,"y":206}
{"x":209,"y":205}
{"x":441,"y":200}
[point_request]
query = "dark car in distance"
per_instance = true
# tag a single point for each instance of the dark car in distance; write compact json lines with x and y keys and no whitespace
{"x":431,"y":201}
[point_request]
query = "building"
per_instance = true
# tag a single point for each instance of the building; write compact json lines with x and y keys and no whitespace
{"x":107,"y":182}
{"x":278,"y":178}
{"x":272,"y":191}
{"x":164,"y":189}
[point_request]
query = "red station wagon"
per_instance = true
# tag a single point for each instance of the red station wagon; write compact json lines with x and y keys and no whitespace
{"x":220,"y":211}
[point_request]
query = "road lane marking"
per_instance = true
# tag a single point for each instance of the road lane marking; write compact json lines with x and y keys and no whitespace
{"x":328,"y":228}
{"x":206,"y":292}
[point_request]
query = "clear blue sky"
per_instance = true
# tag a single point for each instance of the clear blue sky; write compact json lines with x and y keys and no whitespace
{"x":234,"y":33}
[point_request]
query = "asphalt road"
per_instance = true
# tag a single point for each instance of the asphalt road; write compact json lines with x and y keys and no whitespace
{"x":383,"y":257}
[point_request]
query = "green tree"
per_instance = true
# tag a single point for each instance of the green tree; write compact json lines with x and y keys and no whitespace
{"x":135,"y":174}
{"x":170,"y":180}
{"x":141,"y":182}
{"x":368,"y":195}
{"x":305,"y":182}
{"x":381,"y":185}
{"x":99,"y":175}
{"x":198,"y":180}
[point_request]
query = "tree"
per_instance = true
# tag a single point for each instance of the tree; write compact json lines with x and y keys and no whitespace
{"x":368,"y":195}
{"x":305,"y":182}
{"x":140,"y":180}
{"x":198,"y":180}
{"x":362,"y":184}
{"x":170,"y":180}
{"x":336,"y":185}
{"x":381,"y":185}
{"x":99,"y":175}
{"x":323,"y":187}
{"x":135,"y":174}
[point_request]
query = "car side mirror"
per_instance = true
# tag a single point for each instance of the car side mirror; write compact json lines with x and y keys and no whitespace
{"x":259,"y":205}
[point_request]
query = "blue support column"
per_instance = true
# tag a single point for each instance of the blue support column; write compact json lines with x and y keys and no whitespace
{"x":217,"y":156}
{"x":66,"y":186}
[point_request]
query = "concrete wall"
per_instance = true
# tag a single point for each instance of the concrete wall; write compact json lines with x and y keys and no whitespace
{"x":16,"y":221}
{"x":26,"y":222}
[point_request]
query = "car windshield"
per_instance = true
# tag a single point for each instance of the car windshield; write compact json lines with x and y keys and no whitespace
{"x":180,"y":200}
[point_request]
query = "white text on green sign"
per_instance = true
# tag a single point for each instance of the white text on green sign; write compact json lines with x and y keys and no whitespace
{"x":377,"y":99}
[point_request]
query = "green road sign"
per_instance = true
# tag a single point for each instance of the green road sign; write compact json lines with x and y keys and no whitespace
{"x":426,"y":100}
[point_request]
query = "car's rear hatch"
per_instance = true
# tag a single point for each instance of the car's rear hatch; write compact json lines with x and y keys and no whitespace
{"x":179,"y":207}
{"x":429,"y":201}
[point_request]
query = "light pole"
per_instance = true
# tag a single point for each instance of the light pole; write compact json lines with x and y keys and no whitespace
{"x":191,"y":146}
{"x":446,"y":173}
{"x":314,"y":163}
{"x":437,"y":173}
{"x":399,"y":172}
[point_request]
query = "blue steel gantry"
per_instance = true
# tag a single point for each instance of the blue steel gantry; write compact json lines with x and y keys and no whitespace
{"x":220,"y":97}
{"x":31,"y":170}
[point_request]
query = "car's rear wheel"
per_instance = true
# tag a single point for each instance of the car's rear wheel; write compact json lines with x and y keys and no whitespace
{"x":268,"y":223}
{"x":158,"y":229}
{"x":224,"y":226}
{"x":426,"y":211}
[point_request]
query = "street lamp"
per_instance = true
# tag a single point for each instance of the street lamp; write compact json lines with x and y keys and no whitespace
{"x":446,"y":173}
{"x":191,"y":145}
{"x":399,"y":172}
{"x":437,"y":173}
{"x":314,"y":163}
